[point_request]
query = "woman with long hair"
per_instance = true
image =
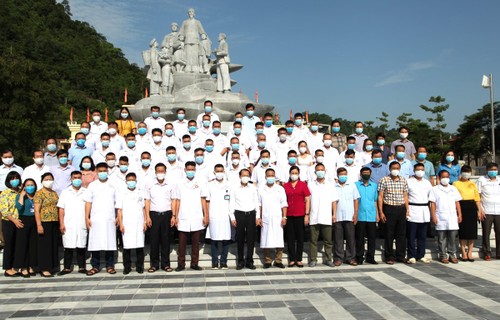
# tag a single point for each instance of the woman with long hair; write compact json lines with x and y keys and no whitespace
{"x":125,"y":123}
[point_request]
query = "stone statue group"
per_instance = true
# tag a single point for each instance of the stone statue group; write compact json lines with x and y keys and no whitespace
{"x":187,"y":50}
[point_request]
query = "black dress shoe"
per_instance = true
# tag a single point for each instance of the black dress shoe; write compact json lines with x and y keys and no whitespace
{"x":251,"y":266}
{"x":279,"y":265}
{"x":266,"y":265}
{"x":139,"y":269}
{"x":126,"y":271}
{"x":196,"y":267}
{"x":25,"y":275}
{"x":84,"y":271}
{"x":371,"y":262}
{"x":64,"y":272}
{"x":179,"y":268}
{"x":240,"y":266}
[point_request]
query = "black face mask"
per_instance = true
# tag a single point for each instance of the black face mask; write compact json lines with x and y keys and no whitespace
{"x":366,"y":176}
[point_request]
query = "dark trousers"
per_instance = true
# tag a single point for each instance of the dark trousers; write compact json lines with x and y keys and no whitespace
{"x":127,"y":260}
{"x":295,"y":238}
{"x":366,"y":230}
{"x":344,"y":230}
{"x":417,"y":233}
{"x":95,"y":259}
{"x":487,"y":224}
{"x":48,"y":259}
{"x":214,"y":244}
{"x":160,"y":238}
{"x":395,"y":229}
{"x":26,"y":244}
{"x":68,"y":257}
{"x":195,"y":248}
{"x":9,"y":240}
{"x":245,"y":230}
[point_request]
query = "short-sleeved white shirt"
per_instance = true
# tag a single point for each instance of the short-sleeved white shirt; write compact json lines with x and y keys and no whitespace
{"x":490,"y":194}
{"x":322,"y":197}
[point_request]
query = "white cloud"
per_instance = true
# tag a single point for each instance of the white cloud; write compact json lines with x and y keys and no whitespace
{"x":406,"y":74}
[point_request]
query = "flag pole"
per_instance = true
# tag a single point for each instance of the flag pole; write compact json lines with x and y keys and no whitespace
{"x":492,"y":119}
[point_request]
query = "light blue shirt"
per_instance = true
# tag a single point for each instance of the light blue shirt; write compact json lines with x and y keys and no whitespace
{"x":454,"y":171}
{"x":428,"y":169}
{"x":378,"y":172}
{"x":76,"y":154}
{"x":345,"y":207}
{"x":62,"y":177}
{"x":367,"y":211}
{"x":249,"y":123}
{"x":406,"y":170}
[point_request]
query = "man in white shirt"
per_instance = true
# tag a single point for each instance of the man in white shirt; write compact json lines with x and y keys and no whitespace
{"x":324,"y":200}
{"x":203,"y":172}
{"x":97,"y":126}
{"x":234,"y":168}
{"x":270,"y":130}
{"x":331,"y":155}
{"x":351,"y":166}
{"x":116,"y":141}
{"x":237,"y":147}
{"x":221,"y":142}
{"x":99,"y":155}
{"x":169,"y":139}
{"x":186,"y":153}
{"x":36,"y":170}
{"x":255,"y":153}
{"x":300,"y":131}
{"x":249,"y":120}
{"x":261,"y":167}
{"x":205,"y":130}
{"x":244,"y":141}
{"x":208,"y":110}
{"x":211,"y":157}
{"x":146,"y":171}
{"x":281,"y":147}
{"x":191,"y":215}
{"x":143,"y":138}
{"x":175,"y":171}
{"x":196,"y":138}
{"x":244,"y":203}
{"x":489,"y":191}
{"x":180,"y":125}
{"x":50,"y":156}
{"x":132,"y":152}
{"x":157,"y":148}
{"x":359,"y":136}
{"x":155,"y":121}
{"x":314,"y":137}
{"x":118,"y":177}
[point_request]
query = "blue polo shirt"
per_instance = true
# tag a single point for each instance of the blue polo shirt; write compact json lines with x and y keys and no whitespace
{"x":454,"y":171}
{"x":76,"y":154}
{"x":406,"y":168}
{"x":367,"y":211}
{"x":378,"y":172}
{"x":428,"y":169}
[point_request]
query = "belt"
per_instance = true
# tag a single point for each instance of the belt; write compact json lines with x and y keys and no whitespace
{"x":245,"y":212}
{"x":162,"y":213}
{"x":394,"y":205}
{"x":419,"y":204}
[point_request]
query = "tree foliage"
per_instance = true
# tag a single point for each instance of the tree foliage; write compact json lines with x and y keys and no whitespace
{"x":46,"y":57}
{"x":437,"y":111}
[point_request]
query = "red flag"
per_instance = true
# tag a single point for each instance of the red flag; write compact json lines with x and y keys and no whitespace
{"x":106,"y":115}
{"x":256,"y":96}
{"x":291,"y":114}
{"x":307,"y":116}
{"x":125,"y":97}
{"x":146,"y":93}
{"x":88,"y":114}
{"x":277,"y":117}
{"x":71,"y":115}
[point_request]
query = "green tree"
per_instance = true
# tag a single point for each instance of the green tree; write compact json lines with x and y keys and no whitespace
{"x":385,"y":121}
{"x":437,"y":111}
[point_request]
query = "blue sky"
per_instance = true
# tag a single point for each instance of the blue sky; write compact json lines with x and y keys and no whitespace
{"x":351,"y":59}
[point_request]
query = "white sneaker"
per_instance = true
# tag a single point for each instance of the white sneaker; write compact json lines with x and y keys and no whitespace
{"x":412,"y":261}
{"x":424,"y":260}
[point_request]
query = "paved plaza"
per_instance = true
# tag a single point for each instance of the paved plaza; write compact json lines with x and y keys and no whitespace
{"x":436,"y":291}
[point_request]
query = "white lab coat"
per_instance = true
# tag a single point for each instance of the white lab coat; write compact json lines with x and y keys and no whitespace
{"x":190,"y":192}
{"x":72,"y":201}
{"x":102,"y":233}
{"x":131,"y":202}
{"x":445,"y":199}
{"x":272,"y":200}
{"x":219,"y":227}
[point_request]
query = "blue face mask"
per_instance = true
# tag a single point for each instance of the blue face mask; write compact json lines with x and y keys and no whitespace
{"x":268,"y":123}
{"x":169,"y":132}
{"x":265,"y":161}
{"x":270,"y":180}
{"x":262,"y":144}
{"x":292,"y":160}
{"x":199,"y":159}
{"x":155,"y":114}
{"x":369,"y":147}
{"x":208,"y":109}
{"x":105,"y":143}
{"x":289,"y":129}
{"x":77,"y":183}
{"x":250,"y":113}
{"x":15,"y":183}
{"x":238,"y":120}
{"x":85,"y":131}
{"x":450,"y":159}
{"x":171,"y":157}
{"x":102,"y":175}
{"x":131,"y":144}
{"x":192,"y":129}
{"x":146,"y":162}
{"x":180,"y":116}
{"x":86,"y":166}
{"x":298,"y":122}
{"x":380,"y":142}
{"x":336,"y":129}
{"x":30,"y":189}
{"x":124,"y":115}
{"x":342,"y":179}
{"x":51,"y":147}
{"x":80,"y":143}
{"x":131,"y":184}
{"x":237,"y":131}
{"x":421,"y":156}
{"x":259,"y":131}
{"x":400,"y":155}
{"x":63,"y":160}
{"x":209,"y":148}
{"x":190,"y":174}
{"x":377,"y":161}
{"x":216,"y":131}
{"x":351,"y":146}
{"x":123,"y":168}
{"x":186,"y":145}
{"x":142,"y":131}
{"x":235,"y":146}
{"x":349,"y":161}
{"x":314,"y":128}
{"x":492,"y":173}
{"x":206,"y":123}
{"x":359,"y":130}
{"x":320,"y":174}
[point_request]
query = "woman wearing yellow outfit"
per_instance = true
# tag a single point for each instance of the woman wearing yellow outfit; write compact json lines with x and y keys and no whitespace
{"x":125,"y":123}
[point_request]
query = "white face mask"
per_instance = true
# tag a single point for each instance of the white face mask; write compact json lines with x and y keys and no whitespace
{"x":112,"y":131}
{"x":38,"y":161}
{"x":327,"y":143}
{"x":420,"y":173}
{"x":302,"y":150}
{"x":466,"y":175}
{"x":157,"y":139}
{"x":245,"y":180}
{"x":445,"y":181}
{"x":320,"y":159}
{"x":403,"y":135}
{"x":111,"y":163}
{"x":395,"y":173}
{"x":8,"y":161}
{"x":48,"y":184}
{"x":160,"y":176}
{"x":294,"y":177}
{"x":235,"y":162}
{"x":219,"y":176}
{"x":96,"y":119}
{"x":283,"y":137}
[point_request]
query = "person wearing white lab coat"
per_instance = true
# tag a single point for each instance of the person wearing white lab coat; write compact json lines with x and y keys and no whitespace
{"x":446,"y":215}
{"x":72,"y":225}
{"x":191,"y":215}
{"x":100,"y":218}
{"x":219,"y":226}
{"x":273,"y":208}
{"x":132,"y":222}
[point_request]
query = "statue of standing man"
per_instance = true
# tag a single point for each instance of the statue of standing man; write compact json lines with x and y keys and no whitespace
{"x":150,"y":58}
{"x":222,"y":55}
{"x":191,"y":29}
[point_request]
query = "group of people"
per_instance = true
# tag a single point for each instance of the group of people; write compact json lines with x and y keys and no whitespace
{"x":121,"y":179}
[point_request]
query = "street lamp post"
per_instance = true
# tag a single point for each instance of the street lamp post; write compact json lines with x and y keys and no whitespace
{"x":488,"y":83}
